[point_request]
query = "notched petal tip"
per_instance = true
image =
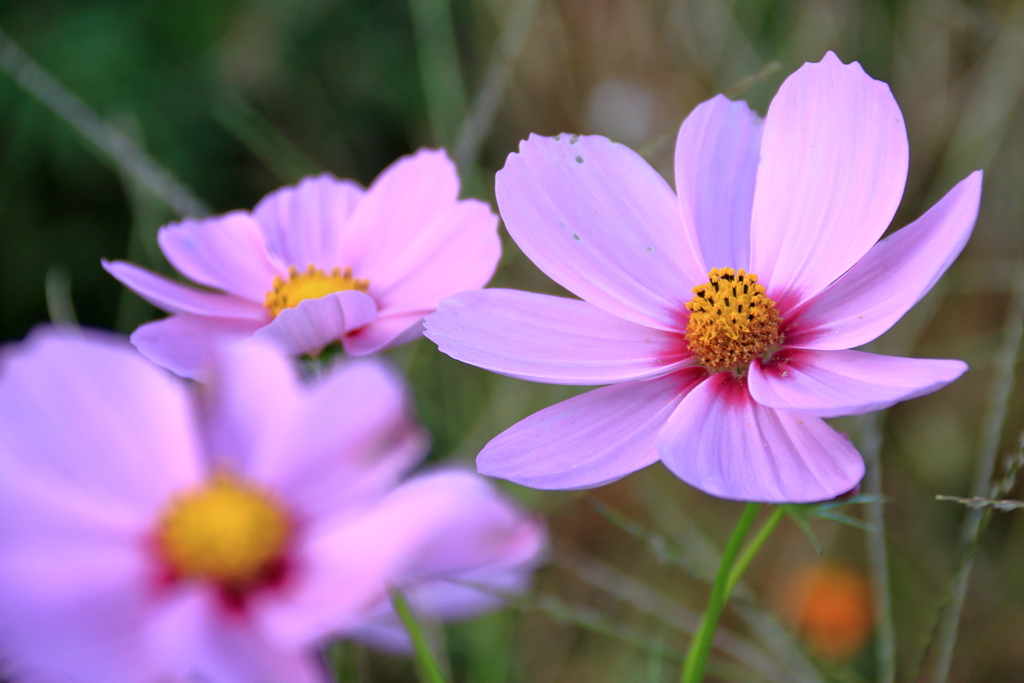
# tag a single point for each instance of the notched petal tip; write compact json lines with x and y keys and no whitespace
{"x":426,"y":160}
{"x":831,"y":60}
{"x":834,"y":159}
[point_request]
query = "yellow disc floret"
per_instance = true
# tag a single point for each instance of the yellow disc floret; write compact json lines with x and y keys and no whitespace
{"x":732,"y":320}
{"x":227,"y":531}
{"x":311,"y":283}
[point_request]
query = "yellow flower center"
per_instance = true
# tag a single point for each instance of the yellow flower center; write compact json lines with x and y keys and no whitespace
{"x":731,"y":320}
{"x":311,"y":283}
{"x":227,"y":531}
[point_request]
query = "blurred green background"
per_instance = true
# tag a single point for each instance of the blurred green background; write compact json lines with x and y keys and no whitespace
{"x":209,"y":105}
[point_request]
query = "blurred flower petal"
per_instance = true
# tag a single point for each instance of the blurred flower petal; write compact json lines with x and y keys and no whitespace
{"x":389,"y":542}
{"x":97,"y":418}
{"x":315,"y":323}
{"x":457,"y":251}
{"x":395,"y":210}
{"x":321,"y":205}
{"x":288,"y":435}
{"x":174,"y":297}
{"x":151,"y":534}
{"x":224,"y":252}
{"x":184,"y":343}
{"x":324,"y":261}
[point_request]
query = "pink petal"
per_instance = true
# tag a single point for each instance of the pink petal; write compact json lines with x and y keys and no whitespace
{"x":551,"y":339}
{"x":724,"y":443}
{"x":834,"y":383}
{"x":348,"y":568}
{"x":315,"y":323}
{"x":591,"y":439}
{"x":602,"y":223}
{"x":184,"y":343}
{"x":470,"y":593}
{"x":717,"y":153}
{"x":490,"y":553}
{"x":224,"y":252}
{"x":173,"y":297}
{"x":499,"y":535}
{"x":72,"y":611}
{"x":324,"y":448}
{"x":404,"y":198}
{"x":87,"y":413}
{"x":303,"y":224}
{"x":833,"y":166}
{"x":93,"y":442}
{"x":194,"y":639}
{"x":385,"y":332}
{"x":892,"y":277}
{"x":456,"y":251}
{"x":39,"y":511}
{"x":383,"y":632}
{"x":250,"y":393}
{"x":463,"y":597}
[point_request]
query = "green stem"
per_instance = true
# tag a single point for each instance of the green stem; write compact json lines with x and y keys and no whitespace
{"x":752,"y":549}
{"x":426,"y":664}
{"x":700,"y":647}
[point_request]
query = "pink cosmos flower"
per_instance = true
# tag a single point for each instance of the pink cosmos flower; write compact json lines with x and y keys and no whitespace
{"x":149,"y":534}
{"x":720,"y":315}
{"x":319,"y":262}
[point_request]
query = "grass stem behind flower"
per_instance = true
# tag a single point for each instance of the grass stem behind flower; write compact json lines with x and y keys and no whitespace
{"x":440,"y":72}
{"x":426,"y":664}
{"x":975,"y":519}
{"x":115,"y":147}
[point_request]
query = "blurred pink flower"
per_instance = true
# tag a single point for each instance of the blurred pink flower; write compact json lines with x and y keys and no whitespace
{"x":150,"y":534}
{"x":723,"y":375}
{"x":322,"y":261}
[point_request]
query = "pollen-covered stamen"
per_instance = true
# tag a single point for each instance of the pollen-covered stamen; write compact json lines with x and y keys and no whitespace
{"x":732,"y":320}
{"x":228,"y":531}
{"x":311,"y":283}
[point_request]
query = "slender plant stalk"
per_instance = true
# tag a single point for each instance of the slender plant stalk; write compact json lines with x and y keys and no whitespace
{"x":871,"y":440}
{"x":782,"y":645}
{"x":635,"y":593}
{"x":426,"y":665}
{"x":878,"y":553}
{"x":700,"y":647}
{"x":748,"y":554}
{"x":440,"y":72}
{"x":748,"y":82}
{"x":477,"y":123}
{"x":115,"y":146}
{"x":999,"y":397}
{"x":59,"y":304}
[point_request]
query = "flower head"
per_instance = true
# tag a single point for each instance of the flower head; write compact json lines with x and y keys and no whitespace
{"x":721,"y":314}
{"x":151,"y":534}
{"x":319,"y":262}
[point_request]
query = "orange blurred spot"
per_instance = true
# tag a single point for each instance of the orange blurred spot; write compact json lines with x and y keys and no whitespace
{"x":830,"y":605}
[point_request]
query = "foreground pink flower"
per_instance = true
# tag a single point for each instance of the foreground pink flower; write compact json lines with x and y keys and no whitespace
{"x":146,"y":536}
{"x":319,"y":262}
{"x":721,"y":315}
